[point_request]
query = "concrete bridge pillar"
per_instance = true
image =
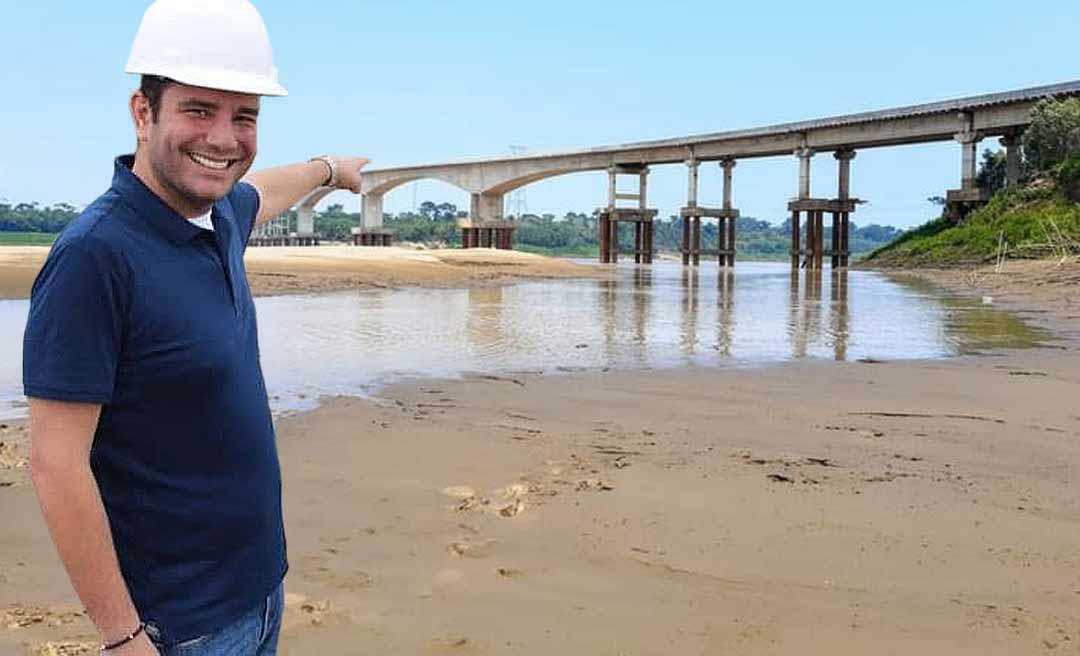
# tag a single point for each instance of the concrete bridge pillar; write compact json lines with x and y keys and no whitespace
{"x":804,"y":154}
{"x":371,"y":231}
{"x":486,"y":207}
{"x":958,"y":202}
{"x":691,"y":234}
{"x":1011,"y":143}
{"x":841,"y":224}
{"x":728,"y":217}
{"x":844,"y":158}
{"x":640,"y":216}
{"x":969,"y":143}
{"x":728,"y":165}
{"x":305,"y":221}
{"x":485,"y":227}
{"x":692,"y":182}
{"x":371,"y":211}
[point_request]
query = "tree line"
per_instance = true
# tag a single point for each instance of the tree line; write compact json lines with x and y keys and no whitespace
{"x":435,"y":224}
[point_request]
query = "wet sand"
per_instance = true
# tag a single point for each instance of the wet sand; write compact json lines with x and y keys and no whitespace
{"x":811,"y":508}
{"x":294,"y":270}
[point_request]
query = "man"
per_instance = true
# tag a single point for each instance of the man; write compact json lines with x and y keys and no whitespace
{"x":152,"y":447}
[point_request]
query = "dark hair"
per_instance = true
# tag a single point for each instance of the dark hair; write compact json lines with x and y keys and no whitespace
{"x":153,"y":87}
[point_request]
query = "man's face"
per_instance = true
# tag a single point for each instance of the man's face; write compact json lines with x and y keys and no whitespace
{"x":201,"y":144}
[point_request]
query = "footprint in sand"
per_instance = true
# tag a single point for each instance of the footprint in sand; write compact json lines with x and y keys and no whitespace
{"x":65,"y":648}
{"x":468,"y":499}
{"x":477,"y":550}
{"x":319,"y":568}
{"x":10,"y":458}
{"x":301,"y":611}
{"x":21,"y":617}
{"x":509,"y":572}
{"x":450,"y":645}
{"x":13,"y":467}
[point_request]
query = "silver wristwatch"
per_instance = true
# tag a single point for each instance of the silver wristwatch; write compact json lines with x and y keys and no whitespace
{"x":331,"y":164}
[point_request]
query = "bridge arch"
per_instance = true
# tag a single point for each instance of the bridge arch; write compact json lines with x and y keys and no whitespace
{"x":511,"y":184}
{"x":381,"y":186}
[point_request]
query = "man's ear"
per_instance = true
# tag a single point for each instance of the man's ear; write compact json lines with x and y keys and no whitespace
{"x":141,"y":115}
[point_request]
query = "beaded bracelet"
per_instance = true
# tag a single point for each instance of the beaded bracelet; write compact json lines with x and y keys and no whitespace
{"x":126,"y":639}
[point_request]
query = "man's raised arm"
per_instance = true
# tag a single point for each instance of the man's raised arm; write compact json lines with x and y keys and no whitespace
{"x":282,"y":186}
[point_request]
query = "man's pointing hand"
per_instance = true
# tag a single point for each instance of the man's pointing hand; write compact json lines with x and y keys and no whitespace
{"x":349,"y":173}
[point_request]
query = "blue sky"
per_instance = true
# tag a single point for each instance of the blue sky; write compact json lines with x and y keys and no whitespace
{"x":418,"y":82}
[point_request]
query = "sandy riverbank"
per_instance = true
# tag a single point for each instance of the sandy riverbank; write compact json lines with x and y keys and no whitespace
{"x":334,"y":268}
{"x":814,"y":508}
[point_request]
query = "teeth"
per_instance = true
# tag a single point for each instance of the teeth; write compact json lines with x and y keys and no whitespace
{"x":217,"y":165}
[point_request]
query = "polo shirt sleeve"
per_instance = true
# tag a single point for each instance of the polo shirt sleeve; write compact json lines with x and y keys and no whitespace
{"x":245,"y":200}
{"x":74,"y":331}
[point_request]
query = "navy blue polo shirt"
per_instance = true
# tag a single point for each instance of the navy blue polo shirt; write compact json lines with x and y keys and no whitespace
{"x":149,"y":315}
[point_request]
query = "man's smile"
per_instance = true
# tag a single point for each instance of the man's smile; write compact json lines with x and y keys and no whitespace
{"x":211,"y":163}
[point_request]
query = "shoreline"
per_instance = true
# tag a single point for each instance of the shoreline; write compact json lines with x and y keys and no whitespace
{"x":275,"y":271}
{"x":819,"y":507}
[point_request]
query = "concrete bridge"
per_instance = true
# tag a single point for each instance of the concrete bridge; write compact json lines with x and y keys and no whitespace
{"x":965,"y":120}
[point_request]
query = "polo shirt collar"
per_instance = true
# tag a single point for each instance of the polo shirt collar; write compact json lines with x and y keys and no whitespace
{"x":149,"y":208}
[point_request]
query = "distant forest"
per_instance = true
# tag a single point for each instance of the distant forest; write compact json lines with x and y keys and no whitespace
{"x":435,"y":224}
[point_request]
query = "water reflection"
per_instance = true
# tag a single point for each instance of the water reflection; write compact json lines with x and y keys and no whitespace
{"x":659,"y":316}
{"x":840,"y":325}
{"x":725,"y":326}
{"x":688,"y":334}
{"x":483,"y":322}
{"x":814,"y":321}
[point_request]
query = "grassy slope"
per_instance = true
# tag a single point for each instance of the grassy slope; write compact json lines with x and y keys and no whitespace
{"x":1032,"y":223}
{"x":26,"y":238}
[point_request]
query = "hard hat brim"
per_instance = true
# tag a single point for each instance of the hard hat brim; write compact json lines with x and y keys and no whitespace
{"x":233,"y":81}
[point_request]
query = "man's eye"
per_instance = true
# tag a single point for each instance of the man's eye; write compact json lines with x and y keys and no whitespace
{"x":198,"y":113}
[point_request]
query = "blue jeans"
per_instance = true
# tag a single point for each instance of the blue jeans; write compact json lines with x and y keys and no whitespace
{"x":253,"y":634}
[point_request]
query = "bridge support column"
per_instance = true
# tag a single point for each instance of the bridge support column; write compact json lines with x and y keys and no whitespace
{"x":805,"y":155}
{"x":371,"y":211}
{"x":691,"y":223}
{"x":485,"y":227}
{"x":969,"y":143}
{"x":958,"y":202}
{"x":371,"y":231}
{"x":610,"y":216}
{"x":796,"y":247}
{"x":814,"y":249}
{"x":841,"y":224}
{"x":1011,"y":143}
{"x":693,"y":213}
{"x":728,"y":217}
{"x":305,"y":221}
{"x":815,"y":209}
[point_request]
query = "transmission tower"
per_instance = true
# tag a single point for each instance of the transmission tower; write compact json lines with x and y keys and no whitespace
{"x":517,"y":205}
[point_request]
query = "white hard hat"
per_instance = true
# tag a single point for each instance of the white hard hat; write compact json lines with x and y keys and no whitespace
{"x":217,"y":44}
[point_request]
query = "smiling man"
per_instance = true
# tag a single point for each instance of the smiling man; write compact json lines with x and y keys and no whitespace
{"x":152,"y":445}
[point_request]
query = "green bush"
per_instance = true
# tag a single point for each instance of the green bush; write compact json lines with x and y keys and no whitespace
{"x":1054,"y":134}
{"x":1068,"y":177}
{"x":1028,"y":222}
